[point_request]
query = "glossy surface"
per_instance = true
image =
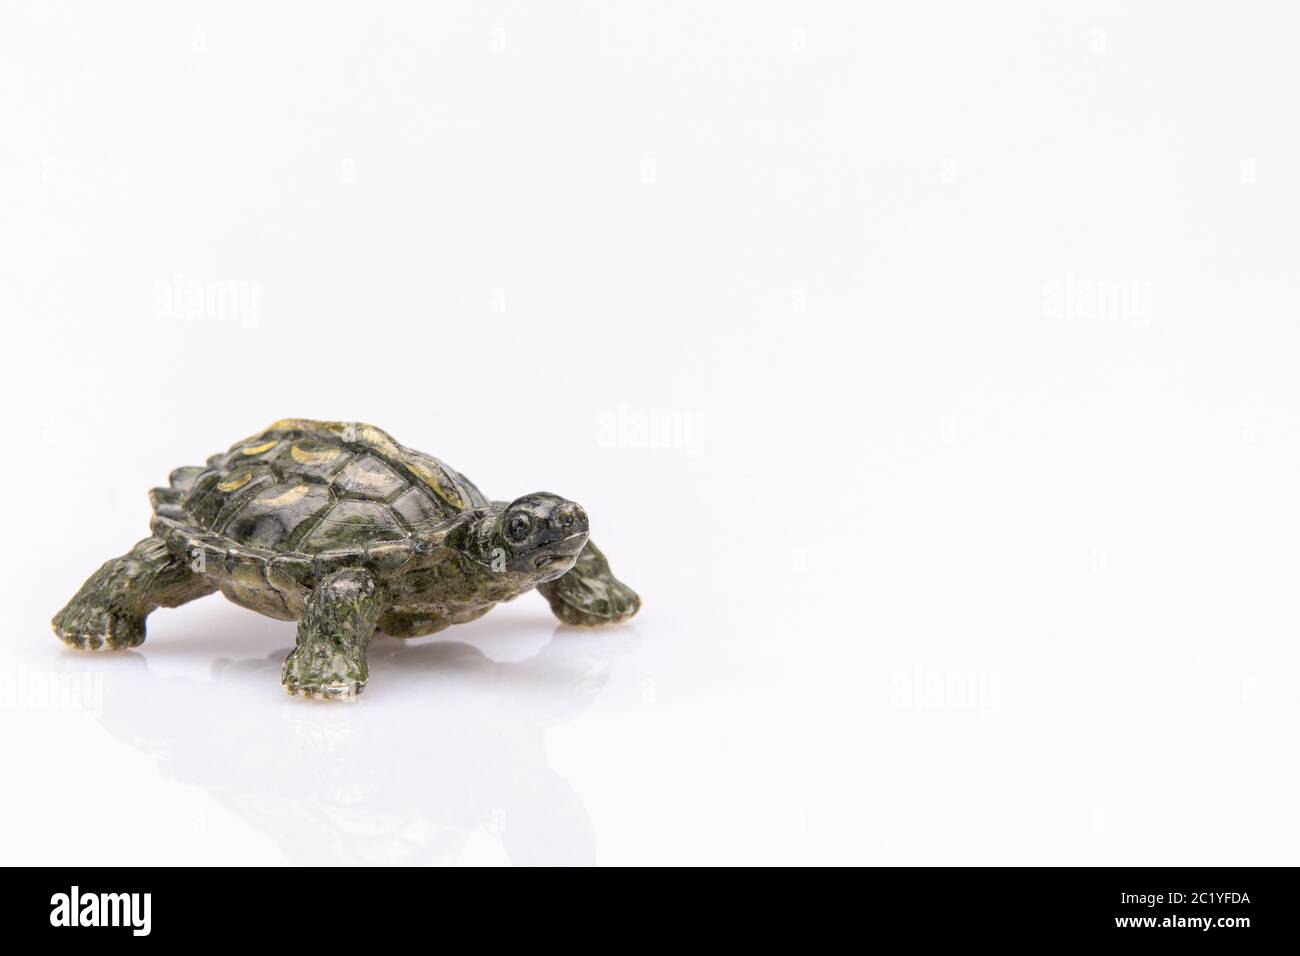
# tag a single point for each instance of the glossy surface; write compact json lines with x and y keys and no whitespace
{"x":931,"y":576}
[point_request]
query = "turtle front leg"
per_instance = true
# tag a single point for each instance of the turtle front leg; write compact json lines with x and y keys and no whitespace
{"x":340,"y":617}
{"x":588,"y":594}
{"x":108,"y":612}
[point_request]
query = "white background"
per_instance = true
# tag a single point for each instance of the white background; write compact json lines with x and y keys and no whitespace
{"x":930,"y":371}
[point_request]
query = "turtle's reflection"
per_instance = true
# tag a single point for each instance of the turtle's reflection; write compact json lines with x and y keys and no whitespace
{"x":455,"y":748}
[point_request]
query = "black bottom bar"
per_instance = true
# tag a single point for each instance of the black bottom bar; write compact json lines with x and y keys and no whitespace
{"x":345,"y":907}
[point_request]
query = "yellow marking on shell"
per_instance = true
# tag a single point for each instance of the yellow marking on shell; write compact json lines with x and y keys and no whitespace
{"x":235,"y":482}
{"x":437,"y":481}
{"x":431,"y":473}
{"x":288,"y":424}
{"x":358,"y":432}
{"x":258,"y":449}
{"x":296,"y":493}
{"x":376,"y":482}
{"x":363,"y":434}
{"x":309,"y":456}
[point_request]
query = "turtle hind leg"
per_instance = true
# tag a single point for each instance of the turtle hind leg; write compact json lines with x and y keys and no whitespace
{"x":109,"y":611}
{"x":588,"y":594}
{"x":333,"y":633}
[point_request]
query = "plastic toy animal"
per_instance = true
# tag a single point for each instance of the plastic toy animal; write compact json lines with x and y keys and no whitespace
{"x":337,"y":526}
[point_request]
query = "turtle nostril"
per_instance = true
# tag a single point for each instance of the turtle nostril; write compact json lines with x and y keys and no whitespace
{"x":568,"y":515}
{"x":570,"y":518}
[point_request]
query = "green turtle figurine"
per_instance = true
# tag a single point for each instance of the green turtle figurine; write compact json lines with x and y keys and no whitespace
{"x":337,"y":526}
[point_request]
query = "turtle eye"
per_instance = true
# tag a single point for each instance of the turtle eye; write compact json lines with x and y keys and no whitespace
{"x":517,"y":528}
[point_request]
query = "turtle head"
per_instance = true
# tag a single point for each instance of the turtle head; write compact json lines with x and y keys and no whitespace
{"x":537,"y":537}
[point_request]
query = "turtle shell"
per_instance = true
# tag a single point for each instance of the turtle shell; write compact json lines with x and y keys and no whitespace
{"x":304,"y":496}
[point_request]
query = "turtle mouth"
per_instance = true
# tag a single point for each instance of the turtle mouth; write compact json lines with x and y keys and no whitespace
{"x":565,"y":549}
{"x":546,"y":560}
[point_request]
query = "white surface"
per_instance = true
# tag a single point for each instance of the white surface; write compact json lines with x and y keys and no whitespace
{"x":946,"y":556}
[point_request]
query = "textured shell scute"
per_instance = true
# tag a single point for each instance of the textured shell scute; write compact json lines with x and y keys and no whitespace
{"x":279,"y":516}
{"x":390,"y":556}
{"x":182,"y":479}
{"x":169,"y":510}
{"x":289,"y":570}
{"x":210,"y":548}
{"x":247,"y":558}
{"x":327,"y":562}
{"x":352,"y":525}
{"x":369,"y":477}
{"x":302,"y":496}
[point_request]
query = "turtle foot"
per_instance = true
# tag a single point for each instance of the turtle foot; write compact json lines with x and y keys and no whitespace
{"x":349,"y":691}
{"x":613,"y":604}
{"x":91,"y":627}
{"x":589,"y":595}
{"x":325,"y":672}
{"x":108,"y":612}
